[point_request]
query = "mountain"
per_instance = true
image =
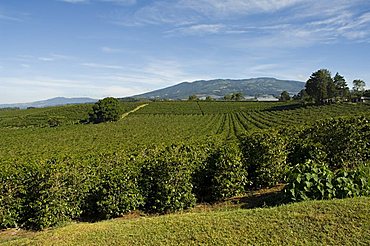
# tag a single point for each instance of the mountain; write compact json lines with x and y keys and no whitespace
{"x":220,"y":87}
{"x":50,"y":102}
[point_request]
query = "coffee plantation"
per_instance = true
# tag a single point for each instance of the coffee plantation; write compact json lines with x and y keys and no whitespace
{"x":168,"y":156}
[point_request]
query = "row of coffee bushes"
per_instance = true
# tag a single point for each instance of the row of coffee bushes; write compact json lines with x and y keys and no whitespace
{"x":161,"y":179}
{"x":330,"y":159}
{"x":41,"y":194}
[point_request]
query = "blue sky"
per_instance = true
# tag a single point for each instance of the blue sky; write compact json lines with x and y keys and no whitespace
{"x":100,"y":48}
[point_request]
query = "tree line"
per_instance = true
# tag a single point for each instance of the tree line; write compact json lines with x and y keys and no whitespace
{"x":321,"y":88}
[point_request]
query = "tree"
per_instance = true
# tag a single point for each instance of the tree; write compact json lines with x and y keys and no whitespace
{"x":284,"y":96}
{"x":228,"y":97}
{"x":107,"y":109}
{"x":358,"y":86}
{"x":366,"y":93}
{"x":237,"y":96}
{"x":340,"y":85}
{"x":193,"y":98}
{"x":302,"y":95}
{"x":209,"y":98}
{"x":320,"y":86}
{"x":234,"y":96}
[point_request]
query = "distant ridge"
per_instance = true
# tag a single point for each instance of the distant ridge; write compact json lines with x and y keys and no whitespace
{"x":220,"y":87}
{"x":57,"y":101}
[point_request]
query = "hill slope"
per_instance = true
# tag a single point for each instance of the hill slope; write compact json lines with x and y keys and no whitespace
{"x":221,"y":87}
{"x":57,"y":101}
{"x":336,"y":222}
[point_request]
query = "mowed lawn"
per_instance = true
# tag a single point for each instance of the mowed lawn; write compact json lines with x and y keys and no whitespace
{"x":335,"y":222}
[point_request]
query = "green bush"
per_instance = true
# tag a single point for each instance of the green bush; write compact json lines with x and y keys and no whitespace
{"x":352,"y":183}
{"x":316,"y":181}
{"x":310,"y":180}
{"x":167,"y":180}
{"x":114,"y":188}
{"x":341,"y":143}
{"x":222,"y":175}
{"x":265,"y":156}
{"x":107,"y":109}
{"x":11,"y":190}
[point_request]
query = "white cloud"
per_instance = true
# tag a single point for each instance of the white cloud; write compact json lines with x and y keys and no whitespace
{"x":120,"y":91}
{"x":110,"y":50}
{"x":120,"y":2}
{"x":192,"y":12}
{"x":117,"y":2}
{"x":305,"y":22}
{"x":75,"y":1}
{"x":12,"y":16}
{"x":8,"y":18}
{"x":102,"y":66}
{"x":199,"y":29}
{"x":18,"y":90}
{"x":232,"y":7}
{"x":46,"y":59}
{"x":53,"y":57}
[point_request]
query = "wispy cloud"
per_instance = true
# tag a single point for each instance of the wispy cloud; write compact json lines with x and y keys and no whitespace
{"x":117,"y":2}
{"x":304,"y":22}
{"x":101,"y":66}
{"x":198,"y":29}
{"x":187,"y":12}
{"x":231,"y":7}
{"x":120,"y":2}
{"x":54,"y":57}
{"x":12,"y":16}
{"x":75,"y":1}
{"x":110,"y":50}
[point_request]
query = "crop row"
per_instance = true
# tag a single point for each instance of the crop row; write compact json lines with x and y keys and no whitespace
{"x":42,"y":192}
{"x":152,"y":129}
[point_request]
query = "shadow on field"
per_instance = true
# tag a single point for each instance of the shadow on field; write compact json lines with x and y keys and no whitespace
{"x":287,"y":107}
{"x":268,"y":197}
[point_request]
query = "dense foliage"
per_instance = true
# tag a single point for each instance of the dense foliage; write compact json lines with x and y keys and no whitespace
{"x":312,"y":180}
{"x":107,"y":109}
{"x":322,"y":88}
{"x":161,"y":161}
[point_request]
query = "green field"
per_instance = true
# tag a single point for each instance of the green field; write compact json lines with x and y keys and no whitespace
{"x":338,"y":222}
{"x":168,"y":157}
{"x":26,"y":132}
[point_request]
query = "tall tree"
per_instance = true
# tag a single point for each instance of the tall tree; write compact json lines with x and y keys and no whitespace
{"x":107,"y":109}
{"x":193,"y":97}
{"x":320,"y":86}
{"x":237,"y":96}
{"x":358,"y":86}
{"x":284,"y":96}
{"x":340,"y":85}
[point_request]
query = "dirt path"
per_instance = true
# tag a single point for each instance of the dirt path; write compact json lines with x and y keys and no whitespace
{"x":134,"y":110}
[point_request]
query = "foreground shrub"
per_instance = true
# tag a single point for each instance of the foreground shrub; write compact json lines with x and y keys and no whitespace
{"x":352,"y":183}
{"x":223,"y":174}
{"x":316,"y":181}
{"x":310,"y":180}
{"x":37,"y":195}
{"x":114,"y":189}
{"x":265,"y":156}
{"x":11,"y":190}
{"x":341,"y":143}
{"x":166,"y":180}
{"x":49,"y":195}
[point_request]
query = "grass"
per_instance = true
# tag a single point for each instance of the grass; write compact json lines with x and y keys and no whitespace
{"x":335,"y":222}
